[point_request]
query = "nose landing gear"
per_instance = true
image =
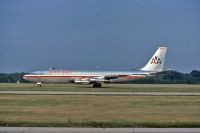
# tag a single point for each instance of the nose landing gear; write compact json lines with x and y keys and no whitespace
{"x":39,"y":84}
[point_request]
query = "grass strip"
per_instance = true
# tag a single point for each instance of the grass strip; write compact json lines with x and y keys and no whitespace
{"x":102,"y":124}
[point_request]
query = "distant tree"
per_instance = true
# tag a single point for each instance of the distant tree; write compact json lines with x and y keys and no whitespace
{"x":195,"y":73}
{"x":12,"y":78}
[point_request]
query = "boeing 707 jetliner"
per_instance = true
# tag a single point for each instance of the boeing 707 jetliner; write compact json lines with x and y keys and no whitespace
{"x":152,"y":68}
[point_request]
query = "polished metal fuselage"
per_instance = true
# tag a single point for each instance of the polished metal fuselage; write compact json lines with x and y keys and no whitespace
{"x":62,"y":76}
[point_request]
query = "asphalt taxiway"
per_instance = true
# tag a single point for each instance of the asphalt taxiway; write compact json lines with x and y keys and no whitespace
{"x":100,"y":93}
{"x":95,"y":130}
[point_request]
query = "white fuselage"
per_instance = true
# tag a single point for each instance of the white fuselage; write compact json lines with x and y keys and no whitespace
{"x":84,"y":76}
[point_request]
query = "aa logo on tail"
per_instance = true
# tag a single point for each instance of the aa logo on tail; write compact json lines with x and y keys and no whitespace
{"x":156,"y":60}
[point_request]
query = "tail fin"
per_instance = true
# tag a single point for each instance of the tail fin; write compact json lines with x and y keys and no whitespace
{"x":157,"y":61}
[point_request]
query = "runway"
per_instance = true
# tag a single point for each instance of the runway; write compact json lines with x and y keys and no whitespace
{"x":96,"y":130}
{"x":100,"y":93}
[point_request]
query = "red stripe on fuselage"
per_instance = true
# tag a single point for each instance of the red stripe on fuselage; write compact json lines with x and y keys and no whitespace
{"x":56,"y":76}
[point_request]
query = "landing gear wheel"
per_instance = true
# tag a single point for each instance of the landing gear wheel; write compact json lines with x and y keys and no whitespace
{"x":39,"y":84}
{"x":97,"y":85}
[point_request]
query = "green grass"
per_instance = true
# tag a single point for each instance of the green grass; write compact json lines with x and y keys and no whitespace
{"x":102,"y":124}
{"x":106,"y":87}
{"x":99,"y":111}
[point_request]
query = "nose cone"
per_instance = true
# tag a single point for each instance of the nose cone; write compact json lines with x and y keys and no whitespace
{"x":25,"y":77}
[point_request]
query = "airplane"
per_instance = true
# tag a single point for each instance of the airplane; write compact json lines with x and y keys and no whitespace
{"x":152,"y":68}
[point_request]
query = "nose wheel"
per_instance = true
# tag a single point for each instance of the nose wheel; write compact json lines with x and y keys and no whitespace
{"x":97,"y":85}
{"x":39,"y":84}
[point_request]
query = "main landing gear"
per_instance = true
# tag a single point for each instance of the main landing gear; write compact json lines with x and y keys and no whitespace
{"x":98,"y":85}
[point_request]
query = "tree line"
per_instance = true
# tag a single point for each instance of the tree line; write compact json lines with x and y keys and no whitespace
{"x":171,"y":77}
{"x":12,"y":77}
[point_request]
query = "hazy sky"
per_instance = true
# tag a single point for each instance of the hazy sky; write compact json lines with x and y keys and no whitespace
{"x":111,"y":34}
